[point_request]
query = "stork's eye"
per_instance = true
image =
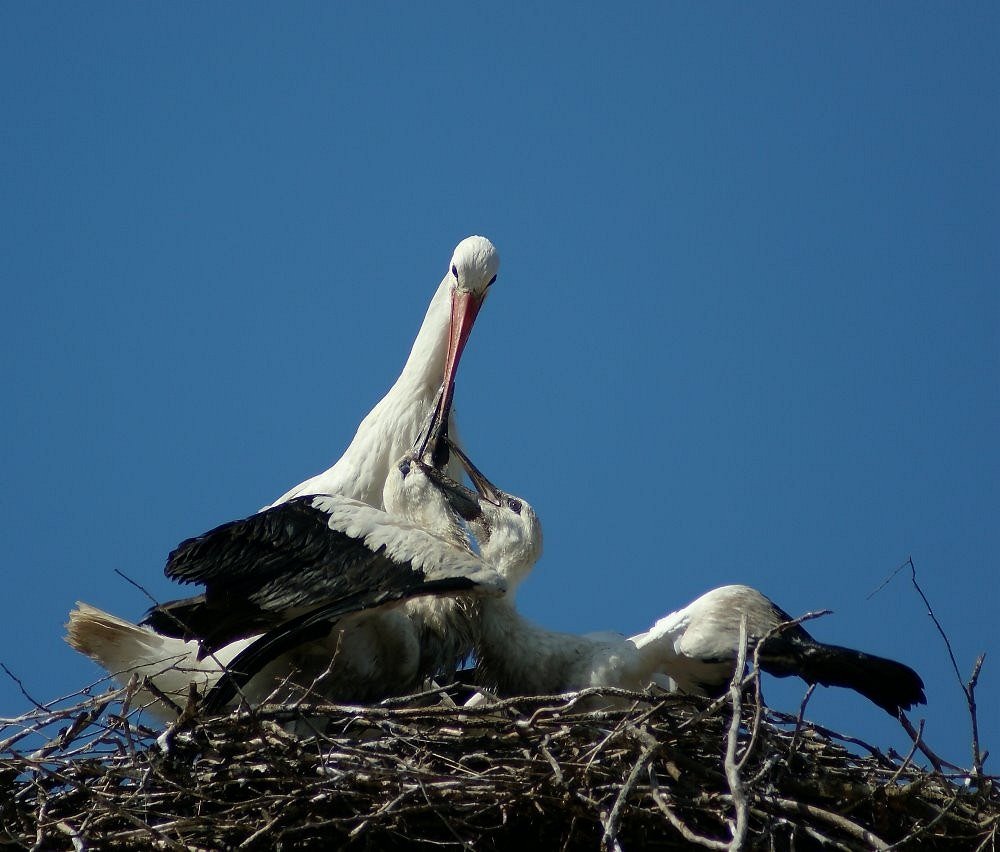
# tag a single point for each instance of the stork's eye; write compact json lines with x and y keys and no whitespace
{"x":454,"y":271}
{"x":494,"y":278}
{"x":404,"y":468}
{"x":514,"y":506}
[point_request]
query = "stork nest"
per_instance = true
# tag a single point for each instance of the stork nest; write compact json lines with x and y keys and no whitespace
{"x":662,"y":772}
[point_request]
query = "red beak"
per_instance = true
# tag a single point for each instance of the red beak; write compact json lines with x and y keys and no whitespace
{"x":464,"y":310}
{"x":433,"y":439}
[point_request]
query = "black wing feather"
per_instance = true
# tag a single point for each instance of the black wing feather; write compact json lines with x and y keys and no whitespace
{"x":274,"y":557}
{"x":891,"y":685}
{"x":259,"y":570}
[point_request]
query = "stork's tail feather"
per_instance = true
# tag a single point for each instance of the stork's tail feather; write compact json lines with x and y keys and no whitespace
{"x":111,"y":641}
{"x":891,"y":685}
{"x":124,"y":649}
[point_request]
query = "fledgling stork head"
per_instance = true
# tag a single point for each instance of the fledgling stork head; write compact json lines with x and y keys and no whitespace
{"x":418,"y":490}
{"x":506,"y":527}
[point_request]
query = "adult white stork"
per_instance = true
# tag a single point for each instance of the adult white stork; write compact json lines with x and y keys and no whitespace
{"x":695,"y":647}
{"x":174,"y":652}
{"x":317,"y":593}
{"x":391,"y":427}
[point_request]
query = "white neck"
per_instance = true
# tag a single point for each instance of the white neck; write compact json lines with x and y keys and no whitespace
{"x":520,"y":658}
{"x":425,"y":363}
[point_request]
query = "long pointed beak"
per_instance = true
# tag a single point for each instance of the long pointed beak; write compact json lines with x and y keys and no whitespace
{"x":464,"y":310}
{"x":463,"y":500}
{"x":486,"y":489}
{"x":433,"y":438}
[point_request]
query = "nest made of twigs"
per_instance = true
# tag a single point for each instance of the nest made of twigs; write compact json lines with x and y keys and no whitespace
{"x":662,"y":772}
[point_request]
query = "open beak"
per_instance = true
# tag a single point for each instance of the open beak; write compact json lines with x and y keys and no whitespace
{"x":463,"y":500}
{"x":486,"y":489}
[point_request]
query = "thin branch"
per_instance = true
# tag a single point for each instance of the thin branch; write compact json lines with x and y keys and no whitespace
{"x":739,"y":830}
{"x":970,"y":693}
{"x":968,"y":688}
{"x":142,"y":589}
{"x":610,"y":839}
{"x":939,"y":763}
{"x":20,"y":686}
{"x":685,"y":832}
{"x":887,"y":580}
{"x":937,"y":624}
{"x":858,"y":832}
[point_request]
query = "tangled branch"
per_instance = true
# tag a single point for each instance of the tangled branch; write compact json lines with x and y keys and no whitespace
{"x":656,"y":773}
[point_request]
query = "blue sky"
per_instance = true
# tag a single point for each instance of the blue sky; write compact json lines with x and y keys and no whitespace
{"x":747,"y":325}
